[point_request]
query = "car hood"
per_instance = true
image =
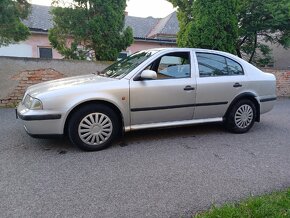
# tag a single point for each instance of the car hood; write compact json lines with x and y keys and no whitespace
{"x":64,"y":83}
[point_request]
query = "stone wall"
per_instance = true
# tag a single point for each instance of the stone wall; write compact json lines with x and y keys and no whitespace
{"x":16,"y":74}
{"x":28,"y":78}
{"x":283,"y":81}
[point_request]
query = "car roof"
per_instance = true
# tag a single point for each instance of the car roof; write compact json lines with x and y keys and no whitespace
{"x":175,"y":49}
{"x":182,"y":49}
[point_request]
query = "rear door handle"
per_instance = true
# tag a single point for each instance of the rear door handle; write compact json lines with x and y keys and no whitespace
{"x":188,"y":88}
{"x":236,"y":85}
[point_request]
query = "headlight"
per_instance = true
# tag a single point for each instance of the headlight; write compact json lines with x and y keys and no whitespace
{"x":32,"y":103}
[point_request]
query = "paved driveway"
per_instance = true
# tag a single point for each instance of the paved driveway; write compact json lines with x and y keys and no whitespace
{"x":157,"y":173}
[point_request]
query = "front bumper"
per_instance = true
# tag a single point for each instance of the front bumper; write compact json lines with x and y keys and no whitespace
{"x":40,"y":122}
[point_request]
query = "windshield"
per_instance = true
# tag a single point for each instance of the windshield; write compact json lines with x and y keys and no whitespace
{"x":121,"y":68}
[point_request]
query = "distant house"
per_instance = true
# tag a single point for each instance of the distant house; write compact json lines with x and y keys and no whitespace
{"x":152,"y":32}
{"x":148,"y":33}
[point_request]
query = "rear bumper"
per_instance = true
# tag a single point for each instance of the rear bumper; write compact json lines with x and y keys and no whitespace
{"x":40,"y":122}
{"x":267,"y":103}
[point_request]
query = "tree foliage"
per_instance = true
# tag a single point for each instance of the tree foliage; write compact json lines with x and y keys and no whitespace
{"x":247,"y":25}
{"x":262,"y":23}
{"x":90,"y":27}
{"x":11,"y":28}
{"x":208,"y":24}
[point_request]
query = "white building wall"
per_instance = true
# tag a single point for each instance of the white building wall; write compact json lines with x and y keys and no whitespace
{"x":16,"y":50}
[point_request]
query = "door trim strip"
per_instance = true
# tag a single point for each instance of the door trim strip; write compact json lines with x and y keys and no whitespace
{"x":177,"y":106}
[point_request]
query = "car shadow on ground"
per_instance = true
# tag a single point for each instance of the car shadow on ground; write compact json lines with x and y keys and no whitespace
{"x":150,"y":135}
{"x":62,"y":145}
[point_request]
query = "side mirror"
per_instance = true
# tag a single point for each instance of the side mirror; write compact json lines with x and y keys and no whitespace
{"x":148,"y":74}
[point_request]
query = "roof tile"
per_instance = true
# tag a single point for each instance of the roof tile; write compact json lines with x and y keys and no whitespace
{"x":41,"y":19}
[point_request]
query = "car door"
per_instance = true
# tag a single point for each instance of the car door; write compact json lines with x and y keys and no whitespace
{"x":219,"y":81}
{"x":170,"y":97}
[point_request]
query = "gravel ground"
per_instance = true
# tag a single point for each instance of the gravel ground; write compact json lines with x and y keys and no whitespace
{"x":157,"y":173}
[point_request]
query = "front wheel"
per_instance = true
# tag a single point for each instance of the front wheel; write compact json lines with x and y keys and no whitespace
{"x":241,"y":117}
{"x":93,"y":127}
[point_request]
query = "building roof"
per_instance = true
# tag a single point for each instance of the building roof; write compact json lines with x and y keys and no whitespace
{"x":40,"y":20}
{"x":141,"y":26}
{"x":171,"y":27}
{"x":165,"y":26}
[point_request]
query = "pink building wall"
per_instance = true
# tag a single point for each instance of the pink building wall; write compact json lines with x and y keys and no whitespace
{"x":40,"y":40}
{"x":143,"y":45}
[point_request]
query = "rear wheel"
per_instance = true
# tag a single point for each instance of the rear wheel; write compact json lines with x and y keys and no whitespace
{"x":93,"y":127}
{"x":241,"y":117}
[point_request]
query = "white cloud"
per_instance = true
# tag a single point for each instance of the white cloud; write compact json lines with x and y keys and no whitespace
{"x":137,"y":8}
{"x":145,"y":8}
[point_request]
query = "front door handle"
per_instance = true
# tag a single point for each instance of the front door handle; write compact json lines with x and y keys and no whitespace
{"x":236,"y":85}
{"x":188,"y":88}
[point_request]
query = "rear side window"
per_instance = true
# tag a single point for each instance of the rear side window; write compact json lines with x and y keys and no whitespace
{"x":212,"y":65}
{"x":234,"y":68}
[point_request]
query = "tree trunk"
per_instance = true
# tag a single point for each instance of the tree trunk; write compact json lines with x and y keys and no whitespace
{"x":239,"y":45}
{"x":239,"y":52}
{"x":254,"y":48}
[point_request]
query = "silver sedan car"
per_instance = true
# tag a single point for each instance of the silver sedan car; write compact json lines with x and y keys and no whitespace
{"x":149,"y":89}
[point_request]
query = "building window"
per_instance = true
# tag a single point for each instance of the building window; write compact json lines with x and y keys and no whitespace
{"x":45,"y":53}
{"x":123,"y":55}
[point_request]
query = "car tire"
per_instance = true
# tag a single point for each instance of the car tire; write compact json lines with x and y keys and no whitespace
{"x":93,"y":127}
{"x":241,"y":116}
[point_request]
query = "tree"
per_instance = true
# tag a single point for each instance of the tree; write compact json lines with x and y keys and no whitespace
{"x":262,"y":22}
{"x":258,"y":23}
{"x":210,"y":24}
{"x":11,"y":28}
{"x":90,"y":27}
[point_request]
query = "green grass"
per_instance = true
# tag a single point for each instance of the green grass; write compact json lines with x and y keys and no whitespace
{"x":274,"y":205}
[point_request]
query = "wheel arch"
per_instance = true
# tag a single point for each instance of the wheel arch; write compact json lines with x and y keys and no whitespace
{"x":102,"y":102}
{"x":247,"y":95}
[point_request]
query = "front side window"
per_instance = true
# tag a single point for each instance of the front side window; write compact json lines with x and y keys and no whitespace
{"x":172,"y":65}
{"x":212,"y":65}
